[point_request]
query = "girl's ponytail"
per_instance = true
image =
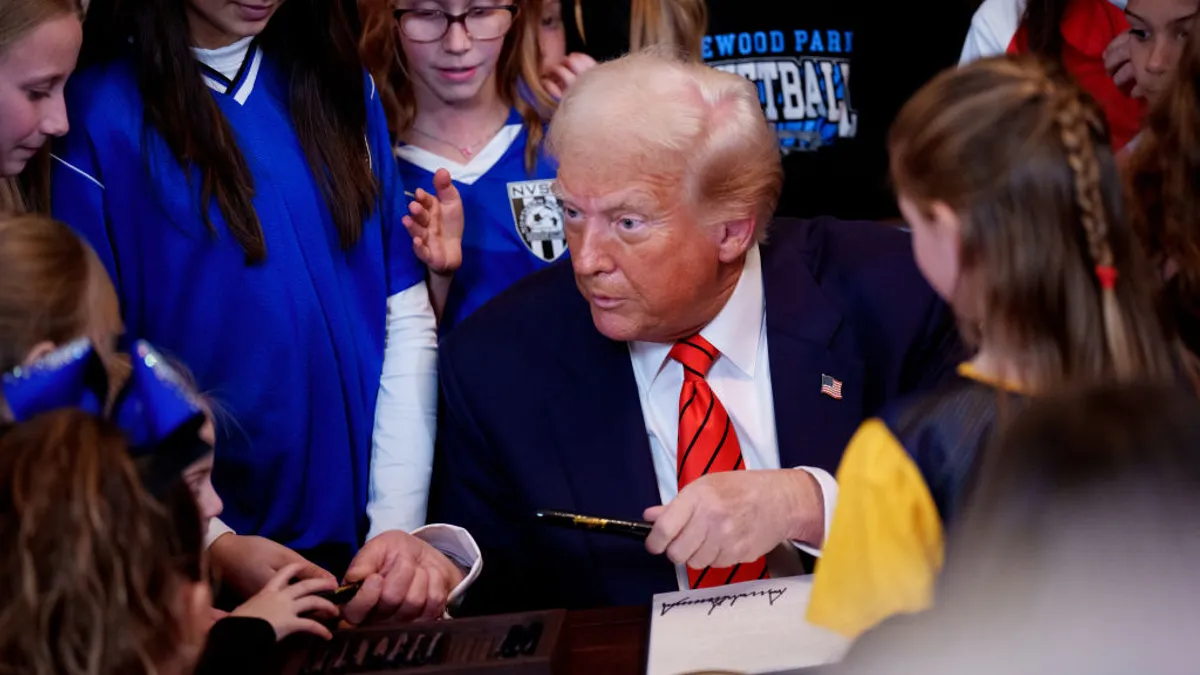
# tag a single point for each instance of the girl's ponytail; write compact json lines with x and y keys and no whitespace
{"x":1077,"y":124}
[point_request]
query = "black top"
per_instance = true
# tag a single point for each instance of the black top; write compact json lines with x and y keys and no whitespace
{"x":605,"y":27}
{"x":832,"y":76}
{"x":238,"y":645}
{"x":945,"y":432}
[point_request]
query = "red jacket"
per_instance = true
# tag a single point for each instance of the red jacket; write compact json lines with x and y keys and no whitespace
{"x":1088,"y":27}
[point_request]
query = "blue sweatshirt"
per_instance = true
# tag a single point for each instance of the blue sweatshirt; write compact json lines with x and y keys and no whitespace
{"x":291,"y":349}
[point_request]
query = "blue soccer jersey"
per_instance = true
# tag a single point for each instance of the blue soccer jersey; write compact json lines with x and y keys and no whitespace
{"x":292,"y":348}
{"x":514,"y":223}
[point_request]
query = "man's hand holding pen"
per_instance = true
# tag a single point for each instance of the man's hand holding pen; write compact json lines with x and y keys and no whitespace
{"x":727,"y":518}
{"x":402,"y":578}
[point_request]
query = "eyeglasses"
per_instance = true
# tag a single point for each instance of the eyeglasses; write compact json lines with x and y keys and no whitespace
{"x":431,"y":25}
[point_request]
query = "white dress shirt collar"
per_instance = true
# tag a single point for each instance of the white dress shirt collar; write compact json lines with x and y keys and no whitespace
{"x":735,"y":331}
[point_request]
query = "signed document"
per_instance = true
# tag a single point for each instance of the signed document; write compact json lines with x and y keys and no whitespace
{"x":755,"y":627}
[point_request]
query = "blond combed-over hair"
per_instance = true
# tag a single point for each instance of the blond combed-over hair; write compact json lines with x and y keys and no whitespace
{"x":688,"y":131}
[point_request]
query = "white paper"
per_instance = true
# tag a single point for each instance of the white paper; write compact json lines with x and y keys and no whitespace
{"x":754,"y":627}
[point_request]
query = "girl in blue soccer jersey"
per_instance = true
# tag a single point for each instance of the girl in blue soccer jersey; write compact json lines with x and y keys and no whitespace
{"x":461,"y":82}
{"x":229,"y":163}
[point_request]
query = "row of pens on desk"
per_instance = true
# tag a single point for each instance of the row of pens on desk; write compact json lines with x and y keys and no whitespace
{"x":366,"y":651}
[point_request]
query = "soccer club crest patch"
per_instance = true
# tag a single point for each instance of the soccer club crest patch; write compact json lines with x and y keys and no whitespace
{"x":538,"y":216}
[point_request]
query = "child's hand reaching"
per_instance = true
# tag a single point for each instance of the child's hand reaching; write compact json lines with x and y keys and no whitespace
{"x":248,"y":563}
{"x":436,"y":226}
{"x":1119,"y":64}
{"x":281,"y":604}
{"x":560,"y":77}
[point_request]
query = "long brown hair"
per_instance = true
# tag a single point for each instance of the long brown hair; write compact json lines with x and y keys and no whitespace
{"x":30,"y":190}
{"x":92,"y":581}
{"x":1043,"y":23}
{"x":1164,"y":172}
{"x":1021,"y":154}
{"x":53,"y":288}
{"x":518,"y":75}
{"x":313,"y":42}
{"x":679,"y":24}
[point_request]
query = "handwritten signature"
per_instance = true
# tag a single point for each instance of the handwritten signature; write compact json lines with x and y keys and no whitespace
{"x":771,"y":594}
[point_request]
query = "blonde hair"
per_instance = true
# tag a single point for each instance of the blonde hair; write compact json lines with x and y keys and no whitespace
{"x":52,"y":288}
{"x":678,"y":24}
{"x":30,"y":190}
{"x":518,"y":71}
{"x":678,"y":126}
{"x":1021,"y":154}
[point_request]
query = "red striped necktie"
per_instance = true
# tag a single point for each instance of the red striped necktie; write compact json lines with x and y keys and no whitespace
{"x":707,"y":444}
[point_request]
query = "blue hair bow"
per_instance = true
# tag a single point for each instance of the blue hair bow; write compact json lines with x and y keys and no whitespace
{"x":159,"y":414}
{"x":70,"y":377}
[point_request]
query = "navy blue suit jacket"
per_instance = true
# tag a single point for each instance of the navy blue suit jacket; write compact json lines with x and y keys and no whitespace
{"x":541,"y":411}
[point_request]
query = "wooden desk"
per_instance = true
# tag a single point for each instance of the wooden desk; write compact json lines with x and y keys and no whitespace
{"x":616,"y":641}
{"x":608,"y":641}
{"x":613,"y":641}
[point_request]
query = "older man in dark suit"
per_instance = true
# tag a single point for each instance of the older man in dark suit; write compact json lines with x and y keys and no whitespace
{"x":683,"y":368}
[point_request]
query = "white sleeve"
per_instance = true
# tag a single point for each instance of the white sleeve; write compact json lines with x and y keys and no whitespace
{"x":459,"y":546}
{"x":405,"y":416}
{"x":829,"y":494}
{"x":993,"y":28}
{"x":216,"y":529}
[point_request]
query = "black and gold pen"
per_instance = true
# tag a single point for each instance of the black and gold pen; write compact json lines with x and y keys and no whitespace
{"x":624,"y":528}
{"x":343,"y":594}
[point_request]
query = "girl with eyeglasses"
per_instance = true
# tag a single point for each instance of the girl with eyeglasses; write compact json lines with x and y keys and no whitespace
{"x":231,"y":165}
{"x":461,"y":83}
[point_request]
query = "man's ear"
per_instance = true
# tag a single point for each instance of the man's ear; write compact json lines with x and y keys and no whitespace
{"x":39,"y":351}
{"x":735,"y":237}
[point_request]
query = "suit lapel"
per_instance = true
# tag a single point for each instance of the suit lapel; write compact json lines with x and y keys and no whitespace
{"x":601,"y":440}
{"x":804,"y":344}
{"x":601,"y":436}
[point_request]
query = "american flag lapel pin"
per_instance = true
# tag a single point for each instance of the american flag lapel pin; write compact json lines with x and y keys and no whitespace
{"x":831,"y":387}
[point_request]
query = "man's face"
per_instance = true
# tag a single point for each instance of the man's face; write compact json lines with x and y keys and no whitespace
{"x":647,"y":268}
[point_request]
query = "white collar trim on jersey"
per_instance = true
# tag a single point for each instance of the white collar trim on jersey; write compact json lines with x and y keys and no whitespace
{"x":473,"y":170}
{"x":238,"y":66}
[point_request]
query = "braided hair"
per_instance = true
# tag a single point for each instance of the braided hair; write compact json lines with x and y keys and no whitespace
{"x":1078,"y":124}
{"x":1051,"y":271}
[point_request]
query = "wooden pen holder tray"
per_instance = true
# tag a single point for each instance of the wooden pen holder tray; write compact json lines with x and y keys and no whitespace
{"x":508,"y":644}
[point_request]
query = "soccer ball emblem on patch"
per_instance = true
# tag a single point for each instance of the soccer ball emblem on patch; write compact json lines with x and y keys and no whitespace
{"x":538,"y":217}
